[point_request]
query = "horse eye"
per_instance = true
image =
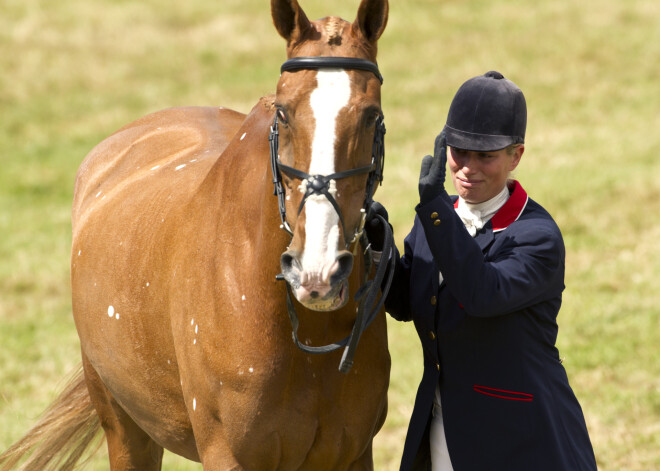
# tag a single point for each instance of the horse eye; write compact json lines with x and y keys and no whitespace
{"x":281,"y":116}
{"x":372,"y":118}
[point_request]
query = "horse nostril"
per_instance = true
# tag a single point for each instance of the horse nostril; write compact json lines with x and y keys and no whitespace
{"x":290,"y":266}
{"x":289,"y":261}
{"x":344,"y":267}
{"x":286,"y":261}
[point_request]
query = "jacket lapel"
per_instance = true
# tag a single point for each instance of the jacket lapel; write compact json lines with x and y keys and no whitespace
{"x":506,"y":215}
{"x":485,"y":236}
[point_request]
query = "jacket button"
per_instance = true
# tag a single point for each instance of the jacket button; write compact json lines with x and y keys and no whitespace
{"x":437,"y":222}
{"x":433,"y":300}
{"x":434,"y":215}
{"x":437,"y":366}
{"x":431,"y":335}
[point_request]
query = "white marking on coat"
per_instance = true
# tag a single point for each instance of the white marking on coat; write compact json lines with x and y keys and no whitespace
{"x":322,"y":222}
{"x":117,"y":316}
{"x":243,"y":298}
{"x":154,"y":168}
{"x":192,"y":321}
{"x":194,"y":403}
{"x":196,"y":328}
{"x":111,"y":311}
{"x":180,"y":167}
{"x":251,"y":370}
{"x":79,"y":252}
{"x":243,"y":136}
{"x":147,"y":284}
{"x":98,"y":194}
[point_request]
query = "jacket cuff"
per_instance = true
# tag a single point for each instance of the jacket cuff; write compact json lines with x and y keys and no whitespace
{"x":434,"y":214}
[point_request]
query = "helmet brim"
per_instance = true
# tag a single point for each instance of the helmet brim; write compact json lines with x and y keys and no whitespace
{"x":478,"y":142}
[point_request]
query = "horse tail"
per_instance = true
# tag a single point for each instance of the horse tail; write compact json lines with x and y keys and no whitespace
{"x":61,"y":436}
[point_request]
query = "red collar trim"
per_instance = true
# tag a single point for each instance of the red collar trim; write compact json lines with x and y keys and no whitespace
{"x":511,"y":210}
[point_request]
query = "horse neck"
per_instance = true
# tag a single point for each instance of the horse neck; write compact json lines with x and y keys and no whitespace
{"x":240,"y":181}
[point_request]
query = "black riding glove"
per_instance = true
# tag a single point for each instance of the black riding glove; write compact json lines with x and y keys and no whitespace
{"x":374,"y":226}
{"x":433,"y":172}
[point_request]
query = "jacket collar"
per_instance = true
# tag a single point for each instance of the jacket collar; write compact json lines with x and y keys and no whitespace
{"x":511,"y":210}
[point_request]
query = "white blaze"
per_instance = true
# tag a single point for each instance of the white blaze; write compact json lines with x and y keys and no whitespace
{"x":322,"y":222}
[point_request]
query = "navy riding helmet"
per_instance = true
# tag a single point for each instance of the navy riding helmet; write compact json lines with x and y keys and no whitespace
{"x":487,"y":114}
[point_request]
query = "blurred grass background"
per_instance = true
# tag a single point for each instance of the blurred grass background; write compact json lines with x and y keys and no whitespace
{"x":72,"y":72}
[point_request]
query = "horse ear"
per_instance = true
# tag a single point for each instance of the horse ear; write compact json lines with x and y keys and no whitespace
{"x":372,"y":19}
{"x":289,"y":19}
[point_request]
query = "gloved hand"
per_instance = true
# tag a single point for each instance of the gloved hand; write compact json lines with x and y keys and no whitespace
{"x":374,"y":226}
{"x":433,"y":172}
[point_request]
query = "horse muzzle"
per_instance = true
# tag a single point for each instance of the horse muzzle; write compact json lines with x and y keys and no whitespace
{"x":321,"y":287}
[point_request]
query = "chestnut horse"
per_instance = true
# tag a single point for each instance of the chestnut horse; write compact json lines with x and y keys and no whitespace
{"x":185,"y":331}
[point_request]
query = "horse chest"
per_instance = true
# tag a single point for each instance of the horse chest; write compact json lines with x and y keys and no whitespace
{"x":303,"y":429}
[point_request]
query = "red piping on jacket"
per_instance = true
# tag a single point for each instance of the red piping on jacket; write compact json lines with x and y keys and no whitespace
{"x":512,"y":395}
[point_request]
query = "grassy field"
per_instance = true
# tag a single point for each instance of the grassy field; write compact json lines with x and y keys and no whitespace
{"x":72,"y":72}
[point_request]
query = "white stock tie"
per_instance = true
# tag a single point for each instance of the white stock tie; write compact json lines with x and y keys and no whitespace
{"x":475,"y":216}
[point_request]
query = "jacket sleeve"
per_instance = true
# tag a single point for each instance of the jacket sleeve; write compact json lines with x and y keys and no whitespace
{"x":527,"y":266}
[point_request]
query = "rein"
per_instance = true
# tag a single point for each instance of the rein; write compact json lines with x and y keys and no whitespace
{"x":366,"y":295}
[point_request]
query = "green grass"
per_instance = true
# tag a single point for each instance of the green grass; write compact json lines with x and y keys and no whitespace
{"x":73,"y":72}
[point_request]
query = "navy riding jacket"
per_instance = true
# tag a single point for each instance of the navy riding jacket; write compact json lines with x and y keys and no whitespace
{"x":488,"y":334}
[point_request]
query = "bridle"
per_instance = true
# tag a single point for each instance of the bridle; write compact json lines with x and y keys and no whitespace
{"x":320,"y":185}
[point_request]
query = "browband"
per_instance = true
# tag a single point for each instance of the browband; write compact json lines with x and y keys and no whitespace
{"x":298,"y":63}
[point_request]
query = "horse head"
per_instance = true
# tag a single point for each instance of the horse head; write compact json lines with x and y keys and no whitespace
{"x":328,"y":126}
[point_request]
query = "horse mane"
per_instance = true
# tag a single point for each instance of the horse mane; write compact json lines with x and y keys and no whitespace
{"x":268,"y":101}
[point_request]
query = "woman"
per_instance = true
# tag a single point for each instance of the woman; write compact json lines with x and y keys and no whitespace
{"x":482,"y":277}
